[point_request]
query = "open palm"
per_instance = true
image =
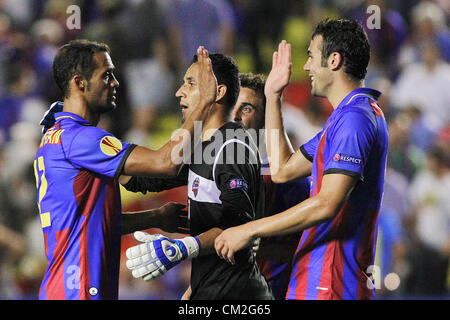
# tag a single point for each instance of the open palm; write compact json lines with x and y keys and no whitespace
{"x":281,"y":71}
{"x":207,"y":81}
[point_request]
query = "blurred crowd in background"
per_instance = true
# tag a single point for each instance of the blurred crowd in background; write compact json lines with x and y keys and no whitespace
{"x":152,"y":43}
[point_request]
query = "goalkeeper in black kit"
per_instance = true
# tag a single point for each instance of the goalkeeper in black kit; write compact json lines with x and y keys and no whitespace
{"x":225,"y":189}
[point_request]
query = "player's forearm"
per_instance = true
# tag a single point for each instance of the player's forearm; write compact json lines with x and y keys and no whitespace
{"x":335,"y":190}
{"x":184,"y":140}
{"x":207,"y":240}
{"x":279,"y":148}
{"x":306,"y":214}
{"x":134,"y":221}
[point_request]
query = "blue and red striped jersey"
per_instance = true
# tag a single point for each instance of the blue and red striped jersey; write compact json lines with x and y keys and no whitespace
{"x":77,"y":167}
{"x":333,"y":259}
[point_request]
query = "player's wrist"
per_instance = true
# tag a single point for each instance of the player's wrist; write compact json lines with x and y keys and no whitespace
{"x":251,"y":231}
{"x":160,"y":214}
{"x":190,"y":247}
{"x":273,"y":97}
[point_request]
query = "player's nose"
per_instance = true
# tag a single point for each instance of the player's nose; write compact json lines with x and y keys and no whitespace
{"x":115,"y":83}
{"x":237,"y":115}
{"x":180,"y":93}
{"x":306,"y":66}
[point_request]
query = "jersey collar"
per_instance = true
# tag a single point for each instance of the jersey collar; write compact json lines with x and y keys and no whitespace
{"x":359,"y":92}
{"x":59,"y":116}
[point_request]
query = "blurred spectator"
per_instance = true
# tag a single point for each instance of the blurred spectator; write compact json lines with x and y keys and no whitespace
{"x":391,"y":247}
{"x":429,"y":225}
{"x":428,"y":22}
{"x":386,"y":40}
{"x":20,"y":83}
{"x":147,"y":67}
{"x":12,"y":246}
{"x":20,"y":11}
{"x":153,"y":39}
{"x":399,"y":152}
{"x":262,"y":20}
{"x":200,"y":22}
{"x":392,"y":244}
{"x":425,"y":85}
{"x":47,"y":35}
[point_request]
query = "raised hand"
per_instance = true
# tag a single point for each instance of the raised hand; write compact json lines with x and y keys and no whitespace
{"x":207,"y":81}
{"x":280,"y":74}
{"x":232,"y":240}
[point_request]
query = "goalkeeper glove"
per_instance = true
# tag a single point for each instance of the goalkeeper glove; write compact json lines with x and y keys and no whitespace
{"x":157,"y":254}
{"x":48,"y":120}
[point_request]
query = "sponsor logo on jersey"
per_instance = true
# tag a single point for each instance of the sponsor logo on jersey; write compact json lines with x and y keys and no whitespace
{"x":346,"y":158}
{"x":195,"y":186}
{"x":238,"y":183}
{"x":110,"y":145}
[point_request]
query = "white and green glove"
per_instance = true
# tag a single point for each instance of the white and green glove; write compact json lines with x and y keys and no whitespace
{"x":157,"y":254}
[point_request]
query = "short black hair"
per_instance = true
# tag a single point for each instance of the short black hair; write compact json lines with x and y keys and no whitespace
{"x":226,"y":71}
{"x":255,"y":82}
{"x":76,"y":57}
{"x":348,"y":38}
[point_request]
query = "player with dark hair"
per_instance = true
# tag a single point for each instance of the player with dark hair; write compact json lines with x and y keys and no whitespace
{"x":274,"y":254}
{"x":77,"y":170}
{"x":251,"y":114}
{"x":347,"y":161}
{"x":225,"y":189}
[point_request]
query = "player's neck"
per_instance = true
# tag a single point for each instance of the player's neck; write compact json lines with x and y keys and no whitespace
{"x":78,"y":106}
{"x":216,"y":119}
{"x":342,"y":88}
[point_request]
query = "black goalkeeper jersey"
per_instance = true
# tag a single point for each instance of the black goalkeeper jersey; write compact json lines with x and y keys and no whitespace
{"x":225,"y":189}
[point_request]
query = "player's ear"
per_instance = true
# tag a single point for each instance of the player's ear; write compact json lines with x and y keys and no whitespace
{"x":335,"y":61}
{"x":79,"y":82}
{"x":221,"y":92}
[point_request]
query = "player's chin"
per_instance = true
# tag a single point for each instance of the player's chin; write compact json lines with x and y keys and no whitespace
{"x":107,"y":107}
{"x":110,"y":105}
{"x":316,"y":93}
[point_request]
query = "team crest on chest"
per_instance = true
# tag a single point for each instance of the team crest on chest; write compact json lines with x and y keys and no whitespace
{"x":195,"y":186}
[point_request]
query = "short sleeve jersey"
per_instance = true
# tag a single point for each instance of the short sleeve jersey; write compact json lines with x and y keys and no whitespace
{"x":333,"y":259}
{"x":76,"y":168}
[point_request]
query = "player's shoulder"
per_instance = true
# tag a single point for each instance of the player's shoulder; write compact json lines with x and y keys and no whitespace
{"x":79,"y":132}
{"x":361,"y":104}
{"x":357,"y":116}
{"x":81,"y":138}
{"x":235,"y":134}
{"x":236,"y":145}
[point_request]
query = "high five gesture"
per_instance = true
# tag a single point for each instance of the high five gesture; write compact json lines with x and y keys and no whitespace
{"x":280,"y":74}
